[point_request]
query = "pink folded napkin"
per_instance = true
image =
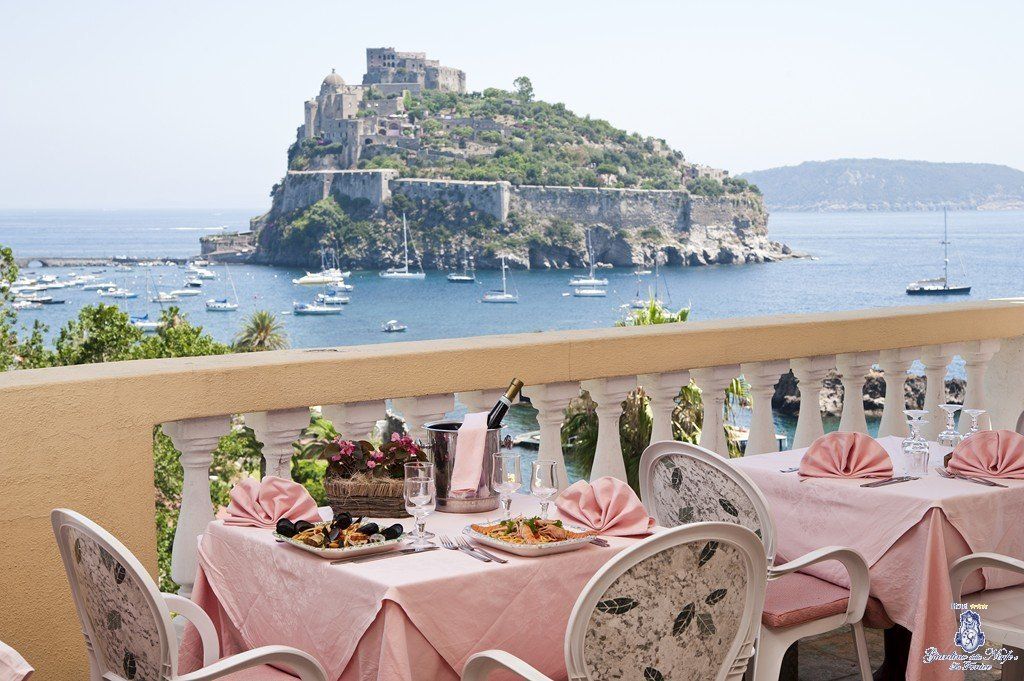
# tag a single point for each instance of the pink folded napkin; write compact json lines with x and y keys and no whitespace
{"x":607,"y":505}
{"x":846,"y":455}
{"x":13,"y":666}
{"x":990,"y":454}
{"x":262,"y":504}
{"x":469,"y":456}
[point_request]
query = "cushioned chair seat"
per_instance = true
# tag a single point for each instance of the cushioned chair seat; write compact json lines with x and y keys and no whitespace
{"x":798,"y":598}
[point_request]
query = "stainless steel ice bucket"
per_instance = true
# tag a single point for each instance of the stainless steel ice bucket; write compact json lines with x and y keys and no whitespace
{"x":442,"y":436}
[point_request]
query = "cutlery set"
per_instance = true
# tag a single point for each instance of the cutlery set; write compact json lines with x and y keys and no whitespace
{"x":959,"y":476}
{"x":456,"y":544}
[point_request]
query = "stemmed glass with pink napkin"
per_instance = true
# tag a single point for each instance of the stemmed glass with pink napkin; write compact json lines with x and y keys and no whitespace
{"x":990,"y":454}
{"x":846,"y":455}
{"x":607,"y":505}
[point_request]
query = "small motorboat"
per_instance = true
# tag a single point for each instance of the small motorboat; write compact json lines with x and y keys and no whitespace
{"x":163,"y":297}
{"x":120,"y":293}
{"x":144,"y":324}
{"x":193,"y":282}
{"x":183,"y":292}
{"x":331,"y":299}
{"x":98,"y":286}
{"x":393,"y":326}
{"x":26,"y":305}
{"x":589,"y":292}
{"x":315,"y":309}
{"x":220,"y":305}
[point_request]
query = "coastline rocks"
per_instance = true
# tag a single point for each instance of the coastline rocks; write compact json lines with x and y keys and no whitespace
{"x":787,"y":396}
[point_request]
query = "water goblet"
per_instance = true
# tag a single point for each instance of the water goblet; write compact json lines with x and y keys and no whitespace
{"x":426,"y":470}
{"x":544,"y":484}
{"x":949,"y":437}
{"x":420,"y":501}
{"x":975,"y":414}
{"x":915,"y":449}
{"x":506,"y":478}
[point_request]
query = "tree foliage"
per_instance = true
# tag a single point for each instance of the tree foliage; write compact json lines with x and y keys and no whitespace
{"x":261,"y":331}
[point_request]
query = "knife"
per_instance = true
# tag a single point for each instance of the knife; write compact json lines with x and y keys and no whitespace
{"x":381,"y":556}
{"x":980,"y":481}
{"x":890,"y":481}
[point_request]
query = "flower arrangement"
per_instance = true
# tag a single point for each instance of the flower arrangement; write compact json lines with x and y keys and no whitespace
{"x":348,"y":458}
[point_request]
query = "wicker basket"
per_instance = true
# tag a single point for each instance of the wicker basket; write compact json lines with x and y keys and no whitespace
{"x":366,"y":496}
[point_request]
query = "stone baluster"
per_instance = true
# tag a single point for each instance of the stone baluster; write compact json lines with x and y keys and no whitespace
{"x":195,"y":439}
{"x":712,"y":382}
{"x":276,"y":430}
{"x":609,"y":394}
{"x":420,"y":410}
{"x":977,"y":355}
{"x":663,"y":389}
{"x":936,"y":359}
{"x":1004,"y":380}
{"x":355,"y":420}
{"x":809,"y":373}
{"x":550,"y":402}
{"x":894,"y":364}
{"x":853,"y":368}
{"x":762,"y":377}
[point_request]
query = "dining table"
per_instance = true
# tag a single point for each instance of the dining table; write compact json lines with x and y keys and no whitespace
{"x":405,"y":617}
{"x":909,"y":533}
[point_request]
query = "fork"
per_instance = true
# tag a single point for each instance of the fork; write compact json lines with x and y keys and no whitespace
{"x":483,"y":552}
{"x":958,"y":476}
{"x":449,"y":544}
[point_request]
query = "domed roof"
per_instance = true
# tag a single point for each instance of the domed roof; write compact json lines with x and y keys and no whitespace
{"x":333,"y":79}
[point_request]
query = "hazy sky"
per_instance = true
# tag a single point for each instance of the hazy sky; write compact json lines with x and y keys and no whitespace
{"x":193,"y":104}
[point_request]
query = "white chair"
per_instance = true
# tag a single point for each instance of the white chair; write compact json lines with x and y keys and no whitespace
{"x":682,"y":483}
{"x":1003,"y":619}
{"x":681,"y":604}
{"x":127,"y":623}
{"x":13,"y":666}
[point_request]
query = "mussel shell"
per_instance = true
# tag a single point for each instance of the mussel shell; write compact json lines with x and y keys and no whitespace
{"x":333,"y":534}
{"x":303,"y":525}
{"x":286,"y":528}
{"x":342,"y":521}
{"x":368,"y":529}
{"x":393,"y":532}
{"x":376,"y":537}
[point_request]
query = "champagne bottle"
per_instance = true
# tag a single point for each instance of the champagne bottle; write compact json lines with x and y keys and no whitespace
{"x":500,"y":408}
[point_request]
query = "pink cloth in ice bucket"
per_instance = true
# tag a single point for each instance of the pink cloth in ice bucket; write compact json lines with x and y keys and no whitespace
{"x":991,"y":454}
{"x":13,"y":666}
{"x":262,"y":504}
{"x":469,"y":456}
{"x":607,"y":505}
{"x":846,"y":455}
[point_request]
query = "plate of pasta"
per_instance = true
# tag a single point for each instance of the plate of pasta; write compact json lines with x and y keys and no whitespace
{"x":530,"y":536}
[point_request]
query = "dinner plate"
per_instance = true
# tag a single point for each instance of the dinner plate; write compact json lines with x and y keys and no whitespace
{"x":531,"y":550}
{"x":348,"y":551}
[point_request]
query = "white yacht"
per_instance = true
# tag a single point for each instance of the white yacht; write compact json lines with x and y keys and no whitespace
{"x":326,"y":298}
{"x":26,"y":305}
{"x":193,"y":282}
{"x":404,"y":272}
{"x":589,"y":292}
{"x":185,"y":292}
{"x":590,"y":279}
{"x":315,"y":309}
{"x":939,"y":286}
{"x":98,"y":285}
{"x":120,"y":293}
{"x":202,"y":273}
{"x":223,"y":304}
{"x":393,"y":326}
{"x":164,"y":297}
{"x":502,"y":296}
{"x":145,"y":324}
{"x":329,"y":274}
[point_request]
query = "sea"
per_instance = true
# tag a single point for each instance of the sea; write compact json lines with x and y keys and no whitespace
{"x":855,"y":260}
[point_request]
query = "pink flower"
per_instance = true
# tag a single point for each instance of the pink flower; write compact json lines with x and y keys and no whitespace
{"x":378,"y":456}
{"x":396,"y":437}
{"x":346,"y":447}
{"x":336,"y":458}
{"x":371,"y":464}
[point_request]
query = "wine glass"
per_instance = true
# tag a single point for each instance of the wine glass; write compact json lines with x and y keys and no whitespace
{"x":426,"y":469}
{"x":543,"y":483}
{"x":506,"y":477}
{"x":420,"y":500}
{"x":949,"y":437}
{"x":915,"y":447}
{"x":975,"y":414}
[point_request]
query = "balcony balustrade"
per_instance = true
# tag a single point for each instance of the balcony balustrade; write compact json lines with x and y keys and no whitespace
{"x":81,"y":437}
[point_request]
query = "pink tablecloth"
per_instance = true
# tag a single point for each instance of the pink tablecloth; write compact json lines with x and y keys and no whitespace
{"x":392,"y":618}
{"x":909,"y":533}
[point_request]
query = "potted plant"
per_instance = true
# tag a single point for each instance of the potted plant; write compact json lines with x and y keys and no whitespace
{"x":362,"y":478}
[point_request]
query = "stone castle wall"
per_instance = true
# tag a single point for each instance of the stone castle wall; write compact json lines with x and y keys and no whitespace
{"x":616,"y":209}
{"x":491,"y":198}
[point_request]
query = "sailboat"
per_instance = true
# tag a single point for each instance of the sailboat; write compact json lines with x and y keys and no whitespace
{"x":590,"y":279}
{"x":403,"y":272}
{"x":467,"y":276}
{"x":223,"y":304}
{"x":939,"y":286}
{"x":143,"y":322}
{"x":329,"y":273}
{"x":502,"y":296}
{"x":638,"y":303}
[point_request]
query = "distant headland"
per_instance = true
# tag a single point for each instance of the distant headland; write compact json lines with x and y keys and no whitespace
{"x":882,"y":184}
{"x":488,"y":174}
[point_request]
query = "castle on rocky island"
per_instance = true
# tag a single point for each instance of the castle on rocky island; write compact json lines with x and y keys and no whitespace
{"x":333,"y":165}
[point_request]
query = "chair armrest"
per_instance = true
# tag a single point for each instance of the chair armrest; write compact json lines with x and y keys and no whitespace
{"x":962,"y":567}
{"x":480,"y":666}
{"x":299,"y":662}
{"x":201,"y":621}
{"x":856,"y":568}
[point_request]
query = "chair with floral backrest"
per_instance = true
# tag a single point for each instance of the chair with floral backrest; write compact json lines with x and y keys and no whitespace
{"x":681,"y":604}
{"x":1001,"y":620}
{"x":682,"y":483}
{"x":127,"y":623}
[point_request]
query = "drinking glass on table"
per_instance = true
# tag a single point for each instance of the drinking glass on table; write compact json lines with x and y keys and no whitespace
{"x":420,"y":501}
{"x":427,"y":471}
{"x":975,"y":414}
{"x":543,"y":483}
{"x":506,"y":478}
{"x":949,"y":437}
{"x":915,"y":447}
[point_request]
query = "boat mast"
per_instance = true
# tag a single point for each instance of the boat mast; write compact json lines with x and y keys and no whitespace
{"x":405,"y":238}
{"x":504,"y":288}
{"x":231,"y":281}
{"x":945,"y":250}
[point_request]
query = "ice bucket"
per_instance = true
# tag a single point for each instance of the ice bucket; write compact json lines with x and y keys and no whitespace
{"x":442,"y":436}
